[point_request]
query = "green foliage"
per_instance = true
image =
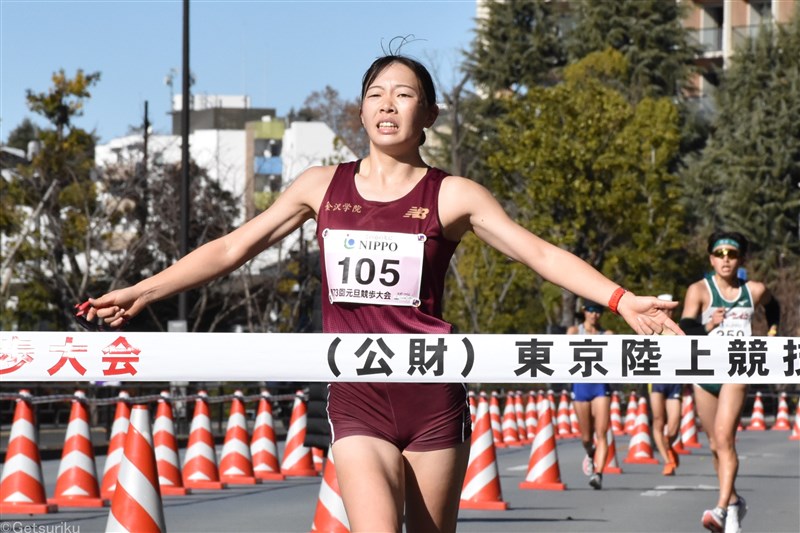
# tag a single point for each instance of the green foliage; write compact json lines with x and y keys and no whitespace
{"x":587,"y":170}
{"x":516,"y":47}
{"x":649,"y":33}
{"x":65,"y":99}
{"x":25,"y":132}
{"x":747,"y":179}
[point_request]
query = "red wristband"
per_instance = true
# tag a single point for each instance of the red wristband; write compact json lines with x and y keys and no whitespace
{"x":613,"y":302}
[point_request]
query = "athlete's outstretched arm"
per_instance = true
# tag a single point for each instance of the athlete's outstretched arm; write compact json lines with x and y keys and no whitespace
{"x":478,"y":211}
{"x":221,"y":256}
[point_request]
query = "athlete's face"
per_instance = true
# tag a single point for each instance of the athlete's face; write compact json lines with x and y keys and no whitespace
{"x":725,"y":260}
{"x":394,"y":111}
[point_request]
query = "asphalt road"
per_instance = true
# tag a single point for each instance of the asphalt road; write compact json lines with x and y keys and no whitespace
{"x":639,"y":499}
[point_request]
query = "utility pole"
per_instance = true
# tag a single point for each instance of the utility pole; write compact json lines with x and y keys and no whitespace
{"x":184,"y":232}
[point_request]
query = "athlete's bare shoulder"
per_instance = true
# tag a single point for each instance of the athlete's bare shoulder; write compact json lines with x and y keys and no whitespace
{"x":310,"y":186}
{"x":759,"y":292}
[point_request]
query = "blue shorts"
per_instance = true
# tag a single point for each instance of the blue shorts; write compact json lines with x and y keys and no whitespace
{"x":671,"y":391}
{"x":586,"y":392}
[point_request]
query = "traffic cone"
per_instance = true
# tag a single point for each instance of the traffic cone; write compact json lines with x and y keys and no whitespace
{"x":166,"y":450}
{"x":116,"y":443}
{"x":782,"y":418}
{"x":318,"y":457}
{"x":22,"y":485}
{"x":563,"y":424}
{"x":640,"y":447}
{"x":630,"y":414}
{"x":689,"y":422}
{"x":757,"y":417}
{"x":494,"y":418}
{"x":235,"y":464}
{"x":297,"y":459}
{"x":76,"y":485}
{"x":510,"y":431}
{"x":481,"y":489}
{"x":263,"y":449}
{"x":796,"y":429}
{"x":543,"y":470}
{"x":573,"y":421}
{"x":136,"y":505}
{"x":330,"y":515}
{"x":616,"y":415}
{"x":473,"y":406}
{"x":200,"y":463}
{"x":519,"y":412}
{"x":612,"y":464}
{"x":531,"y":418}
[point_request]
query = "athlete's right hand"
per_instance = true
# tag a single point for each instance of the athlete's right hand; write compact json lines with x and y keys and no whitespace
{"x":717,"y":317}
{"x":117,"y":307}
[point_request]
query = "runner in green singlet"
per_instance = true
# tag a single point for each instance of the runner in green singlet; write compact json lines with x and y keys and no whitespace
{"x":724,"y":304}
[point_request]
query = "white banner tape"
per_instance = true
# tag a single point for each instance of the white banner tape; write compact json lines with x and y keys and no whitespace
{"x":132,"y":356}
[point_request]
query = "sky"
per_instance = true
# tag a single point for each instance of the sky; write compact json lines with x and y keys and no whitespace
{"x":276,"y":52}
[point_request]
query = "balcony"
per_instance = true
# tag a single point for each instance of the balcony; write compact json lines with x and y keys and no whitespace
{"x":709,"y":39}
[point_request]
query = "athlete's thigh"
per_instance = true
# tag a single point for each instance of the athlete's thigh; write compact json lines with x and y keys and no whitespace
{"x":729,"y":407}
{"x":370,"y":473}
{"x":434,"y":480}
{"x":658,"y":406}
{"x":706,"y":405}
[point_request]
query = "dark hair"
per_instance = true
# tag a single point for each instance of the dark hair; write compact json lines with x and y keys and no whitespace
{"x":419,"y":70}
{"x":733,"y":235}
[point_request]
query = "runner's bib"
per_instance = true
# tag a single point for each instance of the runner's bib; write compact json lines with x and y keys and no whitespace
{"x":373,"y":267}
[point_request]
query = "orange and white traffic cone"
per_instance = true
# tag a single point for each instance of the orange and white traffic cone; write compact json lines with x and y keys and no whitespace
{"x":166,"y":449}
{"x":531,"y":417}
{"x":640,"y":447}
{"x":200,"y":462}
{"x":630,"y":414}
{"x":22,"y":485}
{"x":689,"y":421}
{"x":543,"y":470}
{"x":481,"y":489}
{"x":616,"y":415}
{"x":795,"y":430}
{"x":563,"y":424}
{"x":330,"y":515}
{"x":116,"y":443}
{"x":612,"y":464}
{"x":136,"y":505}
{"x":757,"y":422}
{"x":297,"y":459}
{"x":573,"y":421}
{"x":263,"y":447}
{"x":473,"y":406}
{"x":76,"y":485}
{"x":235,"y":464}
{"x":318,"y":457}
{"x":782,"y":418}
{"x":519,"y":412}
{"x":494,"y":418}
{"x":510,"y":431}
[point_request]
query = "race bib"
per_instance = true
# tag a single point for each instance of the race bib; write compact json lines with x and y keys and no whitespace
{"x":373,"y":267}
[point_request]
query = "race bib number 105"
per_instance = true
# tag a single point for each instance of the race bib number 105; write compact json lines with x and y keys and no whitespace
{"x":373,"y":267}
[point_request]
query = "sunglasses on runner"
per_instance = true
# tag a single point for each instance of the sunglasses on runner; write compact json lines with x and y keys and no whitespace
{"x":726,"y":252}
{"x":593,"y":309}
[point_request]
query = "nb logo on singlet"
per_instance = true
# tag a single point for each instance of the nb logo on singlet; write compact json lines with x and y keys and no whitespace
{"x":417,"y":212}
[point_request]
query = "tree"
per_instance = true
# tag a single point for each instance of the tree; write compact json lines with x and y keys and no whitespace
{"x":342,"y":116}
{"x":748,"y":177}
{"x":57,"y":187}
{"x":25,"y":132}
{"x":649,"y":33}
{"x":586,"y":169}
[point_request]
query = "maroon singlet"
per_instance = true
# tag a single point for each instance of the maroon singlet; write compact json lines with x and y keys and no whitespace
{"x":413,"y":416}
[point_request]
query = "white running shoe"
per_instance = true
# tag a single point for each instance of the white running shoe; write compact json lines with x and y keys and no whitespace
{"x":736,"y":512}
{"x":588,"y":465}
{"x":714,"y":520}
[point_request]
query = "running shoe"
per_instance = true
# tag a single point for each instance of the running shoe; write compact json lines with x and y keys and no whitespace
{"x":588,"y":465}
{"x":669,"y":469}
{"x":596,"y":481}
{"x":714,"y":520}
{"x":736,"y":512}
{"x":674,"y":457}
